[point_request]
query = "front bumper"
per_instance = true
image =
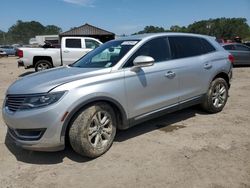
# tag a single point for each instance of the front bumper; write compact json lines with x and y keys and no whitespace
{"x":35,"y":146}
{"x":38,"y":129}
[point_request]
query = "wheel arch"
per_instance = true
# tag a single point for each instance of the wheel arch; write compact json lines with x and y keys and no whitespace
{"x":38,"y":58}
{"x":123,"y":122}
{"x":224,"y":76}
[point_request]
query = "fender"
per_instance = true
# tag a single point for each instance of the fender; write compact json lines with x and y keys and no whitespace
{"x":124,"y":124}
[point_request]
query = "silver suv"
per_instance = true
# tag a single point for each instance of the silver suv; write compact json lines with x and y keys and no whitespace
{"x":118,"y":85}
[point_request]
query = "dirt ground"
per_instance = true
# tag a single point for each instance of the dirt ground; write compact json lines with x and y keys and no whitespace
{"x":185,"y":149}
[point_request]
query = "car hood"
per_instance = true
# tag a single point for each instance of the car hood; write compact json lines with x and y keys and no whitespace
{"x":44,"y":81}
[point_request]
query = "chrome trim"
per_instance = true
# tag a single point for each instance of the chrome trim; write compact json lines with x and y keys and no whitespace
{"x":167,"y":107}
{"x":155,"y":111}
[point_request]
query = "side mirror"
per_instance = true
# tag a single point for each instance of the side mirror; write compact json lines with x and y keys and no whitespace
{"x":143,"y":61}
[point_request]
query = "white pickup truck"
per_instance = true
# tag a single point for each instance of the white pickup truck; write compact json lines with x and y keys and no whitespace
{"x":72,"y":49}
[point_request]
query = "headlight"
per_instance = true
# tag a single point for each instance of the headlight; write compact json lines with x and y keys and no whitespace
{"x":41,"y":100}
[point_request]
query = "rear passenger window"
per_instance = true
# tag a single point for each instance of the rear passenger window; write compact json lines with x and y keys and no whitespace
{"x":73,"y":43}
{"x":156,"y":48}
{"x":184,"y":46}
{"x":207,"y":46}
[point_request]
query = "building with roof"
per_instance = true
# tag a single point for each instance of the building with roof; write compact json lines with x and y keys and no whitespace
{"x":88,"y":30}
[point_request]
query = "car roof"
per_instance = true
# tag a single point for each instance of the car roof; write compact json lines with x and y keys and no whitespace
{"x":153,"y":35}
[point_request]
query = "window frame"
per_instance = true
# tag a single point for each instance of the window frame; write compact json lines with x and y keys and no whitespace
{"x":74,"y":40}
{"x":124,"y":66}
{"x":196,"y":37}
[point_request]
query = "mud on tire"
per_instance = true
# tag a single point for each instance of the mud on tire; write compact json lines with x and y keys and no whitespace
{"x":92,"y":130}
{"x":216,"y":97}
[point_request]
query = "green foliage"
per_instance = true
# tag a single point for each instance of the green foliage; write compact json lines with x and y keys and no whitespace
{"x":52,"y":30}
{"x":21,"y":32}
{"x":2,"y":37}
{"x":151,"y":29}
{"x":226,"y":28}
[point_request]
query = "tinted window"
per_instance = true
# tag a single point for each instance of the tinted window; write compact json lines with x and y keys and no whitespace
{"x":182,"y":46}
{"x":207,"y":46}
{"x":241,"y":48}
{"x":156,"y":48}
{"x":91,"y":43}
{"x":229,"y":47}
{"x":73,"y":43}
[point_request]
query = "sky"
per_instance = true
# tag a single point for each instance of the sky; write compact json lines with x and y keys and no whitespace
{"x":119,"y":16}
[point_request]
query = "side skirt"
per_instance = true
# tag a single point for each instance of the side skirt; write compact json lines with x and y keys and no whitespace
{"x":169,"y":109}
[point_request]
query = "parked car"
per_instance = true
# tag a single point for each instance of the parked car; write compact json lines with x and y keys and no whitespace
{"x":72,"y":49}
{"x":2,"y":53}
{"x":240,"y":52}
{"x":116,"y":86}
{"x":247,"y":43}
{"x":10,"y":50}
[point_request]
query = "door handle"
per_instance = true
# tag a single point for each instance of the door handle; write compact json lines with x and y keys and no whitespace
{"x":208,"y":66}
{"x":170,"y":74}
{"x":66,"y":51}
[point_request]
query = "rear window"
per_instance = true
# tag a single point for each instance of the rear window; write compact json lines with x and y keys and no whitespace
{"x":184,"y":46}
{"x":73,"y":43}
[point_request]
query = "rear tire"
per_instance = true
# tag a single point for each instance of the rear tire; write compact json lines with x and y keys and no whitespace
{"x":42,"y":65}
{"x":216,"y":96}
{"x":93,"y":130}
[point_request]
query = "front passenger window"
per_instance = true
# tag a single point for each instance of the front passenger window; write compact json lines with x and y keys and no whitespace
{"x":91,"y":44}
{"x":156,"y":48}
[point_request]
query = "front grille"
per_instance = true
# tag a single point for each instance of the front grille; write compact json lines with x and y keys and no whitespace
{"x":14,"y":102}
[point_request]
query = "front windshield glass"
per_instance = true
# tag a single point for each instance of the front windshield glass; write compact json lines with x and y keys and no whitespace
{"x":107,"y":55}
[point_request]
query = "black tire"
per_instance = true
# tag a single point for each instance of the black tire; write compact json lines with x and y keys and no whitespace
{"x":216,"y":97}
{"x":90,"y":137}
{"x":42,"y":65}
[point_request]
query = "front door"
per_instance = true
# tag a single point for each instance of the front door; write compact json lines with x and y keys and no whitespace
{"x":154,"y":88}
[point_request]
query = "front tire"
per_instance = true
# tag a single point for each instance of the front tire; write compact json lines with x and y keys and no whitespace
{"x":216,"y":96}
{"x":93,"y":130}
{"x":42,"y":65}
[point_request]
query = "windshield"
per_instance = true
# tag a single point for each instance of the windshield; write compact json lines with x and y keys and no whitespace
{"x":107,"y":55}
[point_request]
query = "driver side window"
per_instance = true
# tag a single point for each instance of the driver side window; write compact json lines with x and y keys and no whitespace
{"x":156,"y":48}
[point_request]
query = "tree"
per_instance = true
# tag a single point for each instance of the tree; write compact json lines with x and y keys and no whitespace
{"x":21,"y":32}
{"x":176,"y":28}
{"x":226,"y":28}
{"x":52,"y":30}
{"x":151,"y":29}
{"x":2,"y":37}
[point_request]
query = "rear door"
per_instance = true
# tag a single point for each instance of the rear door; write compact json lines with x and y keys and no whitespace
{"x":191,"y":56}
{"x":154,"y":88}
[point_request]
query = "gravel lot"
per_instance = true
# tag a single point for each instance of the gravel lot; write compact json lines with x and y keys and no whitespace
{"x":185,"y":149}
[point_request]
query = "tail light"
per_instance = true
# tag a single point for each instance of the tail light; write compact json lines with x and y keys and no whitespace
{"x":20,"y":53}
{"x":231,"y":58}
